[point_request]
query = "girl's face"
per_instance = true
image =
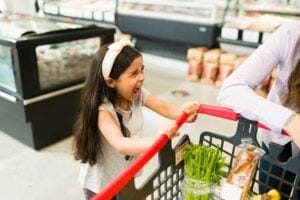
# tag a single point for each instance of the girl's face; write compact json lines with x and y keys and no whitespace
{"x":130,"y":82}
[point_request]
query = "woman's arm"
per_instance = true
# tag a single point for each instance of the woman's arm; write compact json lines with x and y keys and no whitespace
{"x":238,"y":93}
{"x":292,"y":127}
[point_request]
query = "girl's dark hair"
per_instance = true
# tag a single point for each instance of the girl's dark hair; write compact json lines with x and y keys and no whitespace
{"x":293,"y":98}
{"x":87,"y":144}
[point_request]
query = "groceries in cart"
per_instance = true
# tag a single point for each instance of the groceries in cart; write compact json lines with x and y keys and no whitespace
{"x":206,"y":177}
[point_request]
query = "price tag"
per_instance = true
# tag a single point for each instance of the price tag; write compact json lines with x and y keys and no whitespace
{"x":50,"y":9}
{"x":266,"y":35}
{"x":178,"y":152}
{"x":229,"y":33}
{"x":98,"y":15}
{"x":109,"y":16}
{"x":87,"y":14}
{"x":250,"y":36}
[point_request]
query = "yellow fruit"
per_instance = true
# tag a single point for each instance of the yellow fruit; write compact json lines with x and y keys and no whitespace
{"x":274,"y":194}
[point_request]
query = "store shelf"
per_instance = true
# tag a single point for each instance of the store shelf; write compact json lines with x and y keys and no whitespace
{"x":239,"y":42}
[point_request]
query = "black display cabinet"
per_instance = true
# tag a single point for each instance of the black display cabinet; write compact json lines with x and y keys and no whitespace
{"x":168,"y":38}
{"x":43,"y":65}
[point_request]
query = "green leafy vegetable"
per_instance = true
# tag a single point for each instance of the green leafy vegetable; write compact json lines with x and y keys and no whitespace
{"x":205,"y":164}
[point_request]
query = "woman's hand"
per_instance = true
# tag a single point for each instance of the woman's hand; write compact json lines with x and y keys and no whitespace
{"x":191,"y":109}
{"x":292,"y":127}
{"x":169,"y":128}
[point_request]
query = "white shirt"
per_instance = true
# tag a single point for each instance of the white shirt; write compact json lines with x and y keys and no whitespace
{"x":110,"y":163}
{"x":282,"y":51}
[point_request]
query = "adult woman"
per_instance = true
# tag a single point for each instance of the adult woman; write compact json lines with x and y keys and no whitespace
{"x":280,"y":111}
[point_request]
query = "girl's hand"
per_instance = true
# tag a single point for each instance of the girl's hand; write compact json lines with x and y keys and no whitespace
{"x":292,"y":127}
{"x":170,"y":129}
{"x":191,"y":109}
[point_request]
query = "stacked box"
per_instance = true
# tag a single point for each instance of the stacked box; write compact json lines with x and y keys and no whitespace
{"x":195,"y":60}
{"x":210,"y":66}
{"x":226,"y":67}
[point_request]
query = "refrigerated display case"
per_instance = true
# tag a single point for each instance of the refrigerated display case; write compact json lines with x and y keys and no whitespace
{"x":43,"y":65}
{"x":186,"y":23}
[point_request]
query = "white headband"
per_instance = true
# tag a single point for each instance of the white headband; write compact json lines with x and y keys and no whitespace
{"x":113,"y":51}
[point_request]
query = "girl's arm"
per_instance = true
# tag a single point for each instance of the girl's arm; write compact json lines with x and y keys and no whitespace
{"x":237,"y":91}
{"x":125,"y":145}
{"x":162,"y":107}
{"x":170,"y":110}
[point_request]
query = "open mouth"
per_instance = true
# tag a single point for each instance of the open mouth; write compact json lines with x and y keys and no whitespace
{"x":136,"y":90}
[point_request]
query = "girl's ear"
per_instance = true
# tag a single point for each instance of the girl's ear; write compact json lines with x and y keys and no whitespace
{"x":110,"y":82}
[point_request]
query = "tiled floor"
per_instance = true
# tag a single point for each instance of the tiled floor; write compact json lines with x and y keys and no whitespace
{"x":51,"y":173}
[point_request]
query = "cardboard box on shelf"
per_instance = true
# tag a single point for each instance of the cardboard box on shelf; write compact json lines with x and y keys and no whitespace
{"x":194,"y":70}
{"x":224,"y":71}
{"x":238,"y":61}
{"x":209,"y":73}
{"x":196,"y":54}
{"x":195,"y":59}
{"x":212,"y":56}
{"x":227,"y":58}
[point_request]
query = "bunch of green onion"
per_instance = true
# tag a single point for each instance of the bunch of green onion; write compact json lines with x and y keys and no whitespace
{"x":204,"y":167}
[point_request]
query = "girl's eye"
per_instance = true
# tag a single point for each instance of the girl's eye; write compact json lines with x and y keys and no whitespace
{"x":134,"y":73}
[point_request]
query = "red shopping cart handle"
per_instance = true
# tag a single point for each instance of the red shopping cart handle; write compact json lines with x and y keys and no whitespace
{"x":218,"y":111}
{"x":227,"y":113}
{"x":135,"y":166}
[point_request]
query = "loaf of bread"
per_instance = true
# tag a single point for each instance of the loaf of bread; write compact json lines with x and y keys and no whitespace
{"x":244,"y":167}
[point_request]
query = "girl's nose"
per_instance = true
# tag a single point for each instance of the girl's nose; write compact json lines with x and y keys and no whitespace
{"x":142,"y":76}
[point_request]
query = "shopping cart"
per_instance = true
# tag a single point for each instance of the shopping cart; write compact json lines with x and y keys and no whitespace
{"x":165,"y":182}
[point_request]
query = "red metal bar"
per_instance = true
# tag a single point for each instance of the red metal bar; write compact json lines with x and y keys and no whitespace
{"x":218,"y":111}
{"x":268,"y":129}
{"x":227,"y":113}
